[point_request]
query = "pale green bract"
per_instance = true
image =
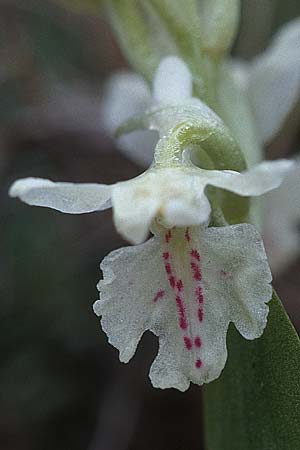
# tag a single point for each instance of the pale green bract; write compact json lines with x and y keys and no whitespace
{"x":188,"y":282}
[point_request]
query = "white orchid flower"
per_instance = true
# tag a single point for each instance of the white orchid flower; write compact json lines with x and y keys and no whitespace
{"x":188,"y":282}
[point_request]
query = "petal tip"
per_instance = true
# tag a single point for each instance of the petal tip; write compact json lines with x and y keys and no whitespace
{"x":97,"y":308}
{"x":21,"y":186}
{"x":14,"y":189}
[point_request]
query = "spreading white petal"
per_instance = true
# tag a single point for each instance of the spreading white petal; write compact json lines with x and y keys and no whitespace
{"x":172,"y":82}
{"x":258,"y":180}
{"x":69,"y":198}
{"x":282,"y":221}
{"x":125,"y":95}
{"x":186,"y":286}
{"x":274,"y":80}
{"x":175,"y":196}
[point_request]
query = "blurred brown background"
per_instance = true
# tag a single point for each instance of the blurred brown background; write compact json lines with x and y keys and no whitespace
{"x":61,"y":385}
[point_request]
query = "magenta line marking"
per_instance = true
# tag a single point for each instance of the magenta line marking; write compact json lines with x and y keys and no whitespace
{"x":198,"y":363}
{"x":195,"y":254}
{"x":197,"y":341}
{"x":160,"y":294}
{"x":188,"y":342}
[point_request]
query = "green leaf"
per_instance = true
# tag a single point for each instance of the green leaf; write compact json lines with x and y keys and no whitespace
{"x":255,"y":404}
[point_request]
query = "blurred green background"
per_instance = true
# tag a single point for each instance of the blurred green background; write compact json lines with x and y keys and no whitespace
{"x":61,"y":385}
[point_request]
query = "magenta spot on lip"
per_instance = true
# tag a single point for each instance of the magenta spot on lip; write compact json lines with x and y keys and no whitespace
{"x":182,"y":323}
{"x":188,"y":343}
{"x":198,"y":363}
{"x":199,"y":295}
{"x":160,"y":294}
{"x":196,"y":271}
{"x":179,"y":285}
{"x":168,"y":268}
{"x":195,"y":254}
{"x":197,"y":341}
{"x":200,"y":315}
{"x":181,"y":311}
{"x":180,"y":306}
{"x":172,"y":282}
